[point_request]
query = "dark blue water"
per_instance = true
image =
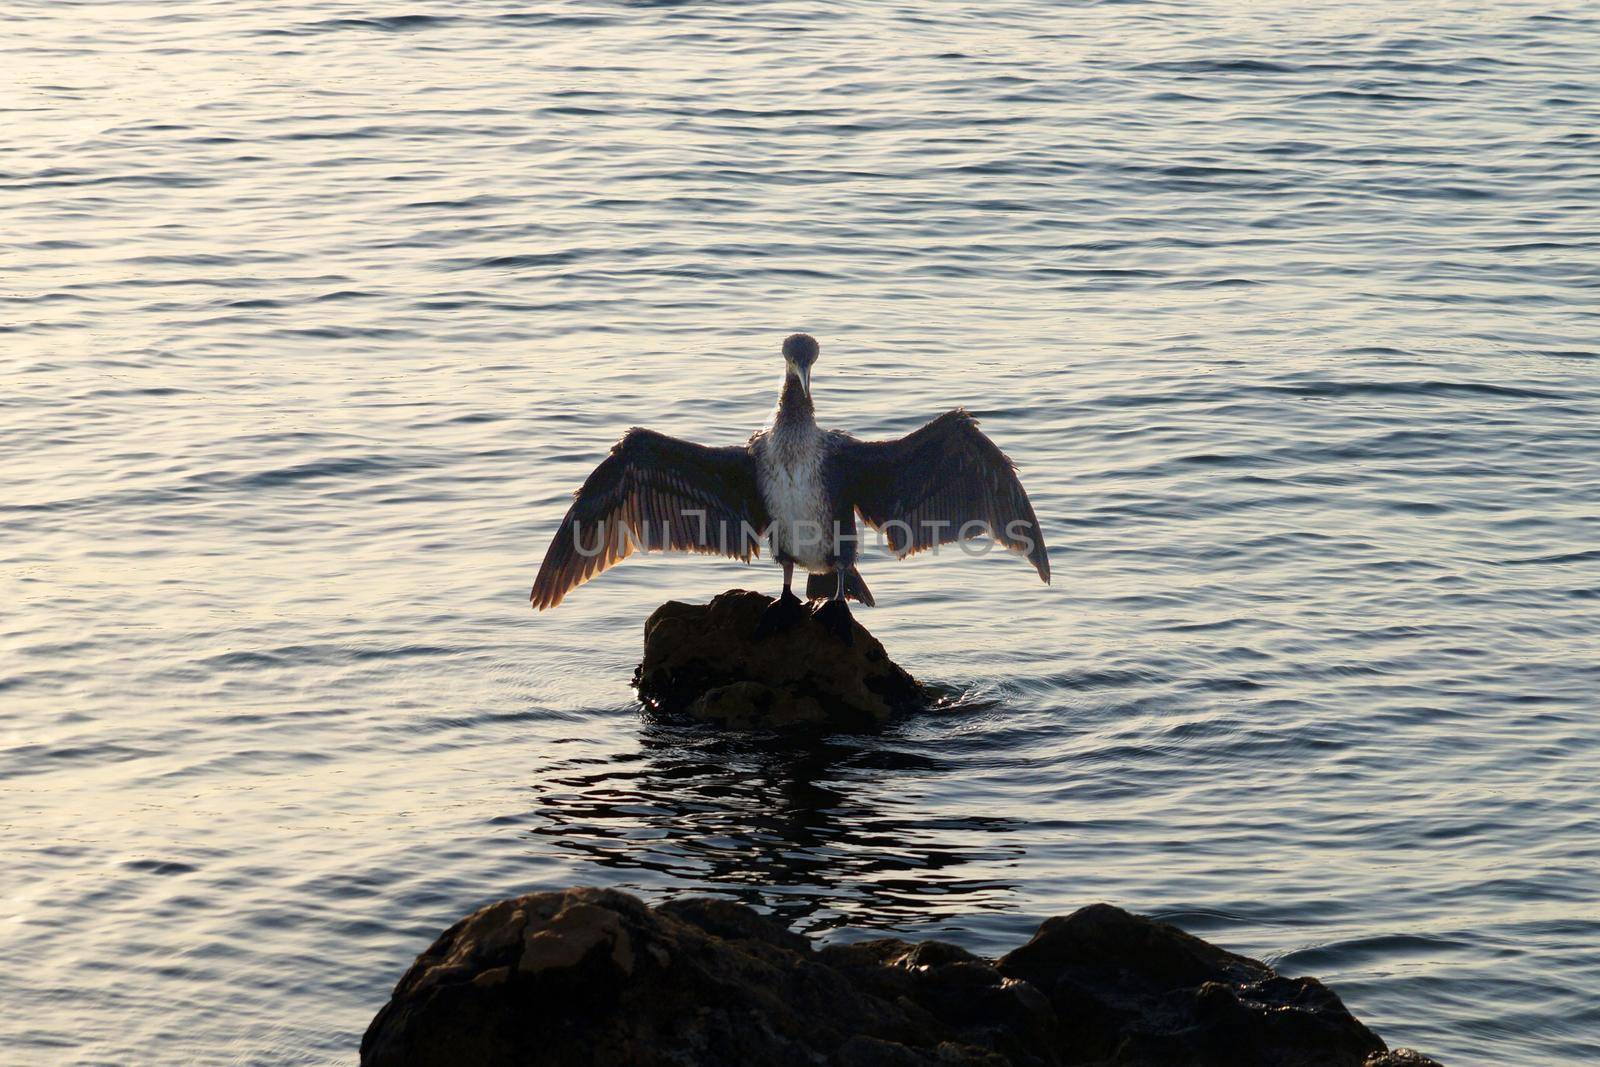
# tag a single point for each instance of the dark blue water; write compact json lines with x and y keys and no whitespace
{"x":312,"y":314}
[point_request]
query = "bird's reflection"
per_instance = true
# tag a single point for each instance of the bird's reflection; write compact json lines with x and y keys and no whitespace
{"x":823,"y":835}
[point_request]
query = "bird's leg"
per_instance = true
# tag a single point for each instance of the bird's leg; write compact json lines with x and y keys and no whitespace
{"x":835,"y":613}
{"x":783,"y":612}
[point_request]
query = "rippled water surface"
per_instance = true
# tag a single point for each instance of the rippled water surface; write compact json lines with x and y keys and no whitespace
{"x":312,"y":313}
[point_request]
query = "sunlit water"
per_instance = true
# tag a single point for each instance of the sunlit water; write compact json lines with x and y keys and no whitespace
{"x":313,"y":313}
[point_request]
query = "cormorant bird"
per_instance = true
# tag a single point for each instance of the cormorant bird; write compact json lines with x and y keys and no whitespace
{"x":801,"y":486}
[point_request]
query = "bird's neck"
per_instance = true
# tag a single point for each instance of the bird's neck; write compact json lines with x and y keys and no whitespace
{"x":794,"y":406}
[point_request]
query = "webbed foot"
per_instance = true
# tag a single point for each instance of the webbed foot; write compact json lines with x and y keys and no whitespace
{"x":834,"y":615}
{"x":779,"y":615}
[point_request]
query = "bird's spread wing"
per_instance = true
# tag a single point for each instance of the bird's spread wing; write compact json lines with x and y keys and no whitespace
{"x":654,"y":493}
{"x":945,"y":482}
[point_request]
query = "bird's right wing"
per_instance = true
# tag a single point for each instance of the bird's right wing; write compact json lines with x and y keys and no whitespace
{"x":654,"y":493}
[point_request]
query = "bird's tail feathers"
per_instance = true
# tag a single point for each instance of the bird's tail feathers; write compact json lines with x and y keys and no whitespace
{"x":823,"y":586}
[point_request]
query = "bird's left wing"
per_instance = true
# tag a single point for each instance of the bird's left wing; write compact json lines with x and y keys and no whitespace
{"x":654,"y":493}
{"x":945,"y":482}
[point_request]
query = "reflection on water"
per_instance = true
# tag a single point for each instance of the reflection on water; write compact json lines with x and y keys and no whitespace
{"x":799,"y":829}
{"x":313,"y":313}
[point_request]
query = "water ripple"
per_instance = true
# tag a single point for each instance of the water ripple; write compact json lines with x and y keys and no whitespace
{"x":317,"y":312}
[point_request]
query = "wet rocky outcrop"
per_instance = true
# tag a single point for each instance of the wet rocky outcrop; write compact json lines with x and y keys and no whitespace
{"x":704,"y":660}
{"x":594,"y":976}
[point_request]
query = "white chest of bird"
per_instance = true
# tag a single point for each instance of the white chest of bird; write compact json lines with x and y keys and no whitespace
{"x":790,"y":468}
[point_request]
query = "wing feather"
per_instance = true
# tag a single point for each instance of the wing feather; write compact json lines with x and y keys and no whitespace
{"x":945,"y":482}
{"x":653,"y":493}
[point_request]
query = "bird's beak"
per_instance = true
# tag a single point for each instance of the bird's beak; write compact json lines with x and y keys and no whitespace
{"x":804,"y":374}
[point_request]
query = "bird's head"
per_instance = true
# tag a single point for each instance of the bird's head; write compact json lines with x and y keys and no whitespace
{"x":799,"y":352}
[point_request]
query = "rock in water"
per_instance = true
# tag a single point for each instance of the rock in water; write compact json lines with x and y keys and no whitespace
{"x":594,"y":977}
{"x":704,"y":660}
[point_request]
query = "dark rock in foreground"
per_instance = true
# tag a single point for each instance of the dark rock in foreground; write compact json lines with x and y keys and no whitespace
{"x":593,"y":976}
{"x":703,"y":660}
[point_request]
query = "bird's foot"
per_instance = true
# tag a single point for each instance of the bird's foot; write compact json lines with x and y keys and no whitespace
{"x":780,"y":615}
{"x":834,"y":615}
